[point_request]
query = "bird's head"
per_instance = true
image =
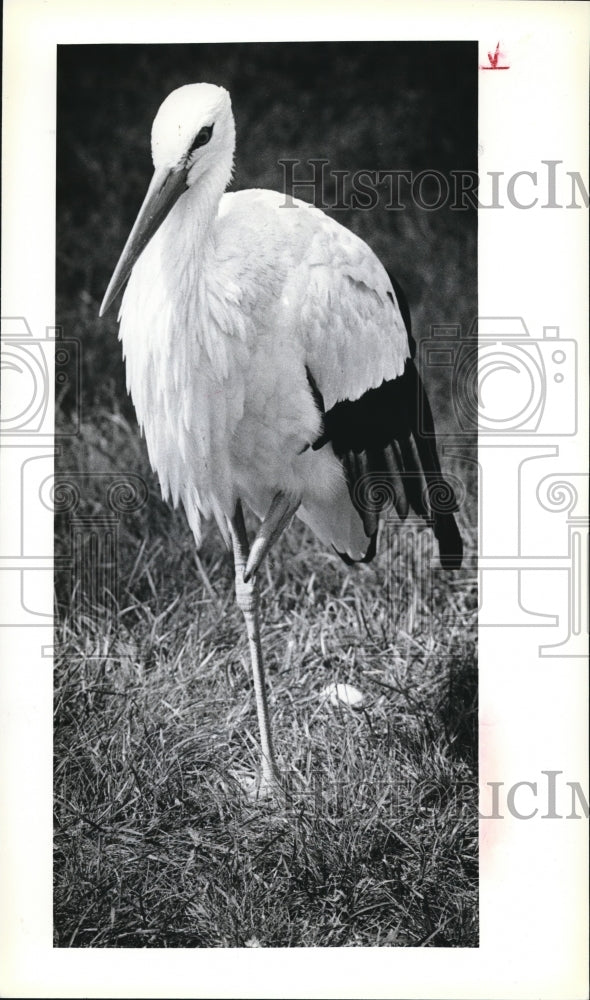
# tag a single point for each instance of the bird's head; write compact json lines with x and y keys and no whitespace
{"x":193,"y":131}
{"x":193,"y":136}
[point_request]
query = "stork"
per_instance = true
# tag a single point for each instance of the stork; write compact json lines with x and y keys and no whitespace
{"x":270,"y":360}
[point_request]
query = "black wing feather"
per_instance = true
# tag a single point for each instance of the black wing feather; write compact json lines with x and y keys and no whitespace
{"x":391,"y":425}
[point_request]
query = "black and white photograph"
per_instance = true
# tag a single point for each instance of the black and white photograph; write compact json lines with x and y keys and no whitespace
{"x":293,"y":521}
{"x":266,"y":698}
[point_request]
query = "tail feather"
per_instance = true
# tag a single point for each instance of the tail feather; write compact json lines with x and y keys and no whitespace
{"x":414,"y":481}
{"x":443,"y":522}
{"x":441,"y":496}
{"x":393,"y":471}
{"x":450,"y":543}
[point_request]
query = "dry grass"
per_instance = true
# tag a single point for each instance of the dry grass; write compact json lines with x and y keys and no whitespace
{"x":155,"y":723}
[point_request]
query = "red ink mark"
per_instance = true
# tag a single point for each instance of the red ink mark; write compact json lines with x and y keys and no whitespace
{"x":494,"y":59}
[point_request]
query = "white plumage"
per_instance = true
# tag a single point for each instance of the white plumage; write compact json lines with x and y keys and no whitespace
{"x":246,"y":319}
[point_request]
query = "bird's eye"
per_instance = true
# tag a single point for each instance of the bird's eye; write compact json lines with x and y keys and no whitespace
{"x":202,"y":137}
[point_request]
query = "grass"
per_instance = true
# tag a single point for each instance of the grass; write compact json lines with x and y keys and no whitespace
{"x":155,"y":726}
{"x":156,"y":843}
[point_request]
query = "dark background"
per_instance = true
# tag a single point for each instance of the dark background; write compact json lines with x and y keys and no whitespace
{"x":375,"y":106}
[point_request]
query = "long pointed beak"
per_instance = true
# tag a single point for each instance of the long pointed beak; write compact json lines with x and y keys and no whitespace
{"x":165,"y":189}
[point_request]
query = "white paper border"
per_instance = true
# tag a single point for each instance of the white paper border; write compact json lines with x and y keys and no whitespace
{"x":534,"y":875}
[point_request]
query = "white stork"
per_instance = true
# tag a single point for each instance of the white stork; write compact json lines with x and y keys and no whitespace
{"x":269,"y":362}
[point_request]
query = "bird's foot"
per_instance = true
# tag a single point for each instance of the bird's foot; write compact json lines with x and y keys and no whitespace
{"x":263,"y":787}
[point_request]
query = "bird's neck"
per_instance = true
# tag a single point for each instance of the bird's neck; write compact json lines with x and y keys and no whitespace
{"x":188,"y":230}
{"x":186,"y":249}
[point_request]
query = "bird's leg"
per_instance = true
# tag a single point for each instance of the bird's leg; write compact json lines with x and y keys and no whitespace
{"x":247,"y":598}
{"x":277,"y":519}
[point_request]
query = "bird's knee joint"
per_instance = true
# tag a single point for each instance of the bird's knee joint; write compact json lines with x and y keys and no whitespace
{"x":246,"y":595}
